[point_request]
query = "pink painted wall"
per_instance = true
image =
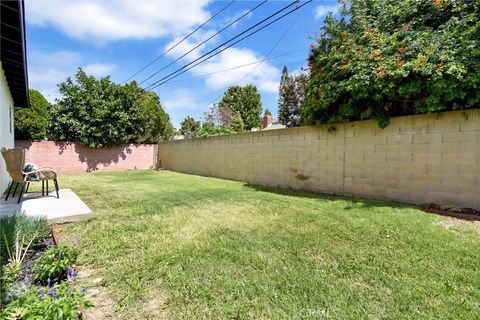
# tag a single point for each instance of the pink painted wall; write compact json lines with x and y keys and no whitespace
{"x":74,"y":157}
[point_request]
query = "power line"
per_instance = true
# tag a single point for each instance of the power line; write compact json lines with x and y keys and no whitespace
{"x":179,"y":42}
{"x":204,"y":41}
{"x":182,"y":70}
{"x":154,"y":85}
{"x":233,"y":68}
{"x":266,"y":57}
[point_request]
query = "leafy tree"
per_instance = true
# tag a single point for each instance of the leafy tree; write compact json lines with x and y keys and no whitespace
{"x":31,"y":122}
{"x":246,"y":101}
{"x":267,"y":113}
{"x":189,"y":127}
{"x":206,"y":131}
{"x":154,"y":121}
{"x":390,"y":57}
{"x":221,"y":115}
{"x":100,"y":113}
{"x":291,"y":98}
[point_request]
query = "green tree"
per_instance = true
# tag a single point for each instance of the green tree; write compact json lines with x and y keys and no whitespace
{"x":32,"y":122}
{"x":291,"y":98}
{"x":246,"y":101}
{"x":100,"y":113}
{"x":189,"y":127}
{"x":221,"y":115}
{"x":154,"y":122}
{"x":267,"y":113}
{"x":389,"y":57}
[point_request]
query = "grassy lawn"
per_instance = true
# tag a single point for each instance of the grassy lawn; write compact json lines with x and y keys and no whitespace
{"x":170,"y":245}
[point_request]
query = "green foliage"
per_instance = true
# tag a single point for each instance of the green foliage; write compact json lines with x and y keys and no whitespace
{"x":223,"y":116}
{"x":246,"y":101}
{"x":59,"y":302}
{"x":214,"y":131}
{"x":32,"y":122}
{"x":16,"y":227}
{"x":100,"y":113}
{"x":267,"y":113}
{"x":189,"y":127}
{"x":54,"y":263}
{"x":154,"y":122}
{"x":291,"y":98}
{"x":387,"y":58}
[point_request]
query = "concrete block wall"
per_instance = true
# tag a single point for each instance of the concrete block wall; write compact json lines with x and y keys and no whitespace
{"x":416,"y":159}
{"x":75,"y":157}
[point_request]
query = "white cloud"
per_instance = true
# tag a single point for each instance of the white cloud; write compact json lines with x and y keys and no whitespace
{"x":59,"y":58}
{"x":264,"y":76}
{"x":322,"y":10}
{"x":180,"y":99}
{"x":47,"y":69}
{"x":113,"y":20}
{"x":189,"y":44}
{"x":99,"y":69}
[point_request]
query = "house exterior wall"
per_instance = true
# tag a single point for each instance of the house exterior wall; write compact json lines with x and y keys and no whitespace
{"x":6,"y":126}
{"x":416,"y":159}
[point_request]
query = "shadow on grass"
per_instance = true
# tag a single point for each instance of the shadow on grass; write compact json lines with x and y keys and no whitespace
{"x":354,"y":202}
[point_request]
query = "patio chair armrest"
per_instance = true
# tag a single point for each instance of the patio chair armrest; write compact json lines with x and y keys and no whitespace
{"x":48,"y":168}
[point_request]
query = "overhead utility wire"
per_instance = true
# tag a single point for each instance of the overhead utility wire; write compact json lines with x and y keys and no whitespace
{"x":234,"y":68}
{"x":183,"y":70}
{"x":179,"y":42}
{"x":204,"y":41}
{"x":264,"y":59}
{"x":224,"y":43}
{"x":151,"y":86}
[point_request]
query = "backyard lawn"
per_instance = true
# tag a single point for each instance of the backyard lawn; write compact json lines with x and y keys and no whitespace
{"x":177,"y":246}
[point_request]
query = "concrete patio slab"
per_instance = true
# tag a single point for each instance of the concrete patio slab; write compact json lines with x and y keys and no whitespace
{"x":68,"y":208}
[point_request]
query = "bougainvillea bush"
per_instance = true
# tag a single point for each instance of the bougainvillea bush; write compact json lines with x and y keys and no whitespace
{"x":382,"y":58}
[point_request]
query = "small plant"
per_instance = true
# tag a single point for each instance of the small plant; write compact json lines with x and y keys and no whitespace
{"x":58,"y":302}
{"x":55,"y":264}
{"x":18,"y":230}
{"x":450,"y":208}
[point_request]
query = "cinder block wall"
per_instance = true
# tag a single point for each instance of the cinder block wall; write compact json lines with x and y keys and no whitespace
{"x":416,"y":159}
{"x":75,"y":157}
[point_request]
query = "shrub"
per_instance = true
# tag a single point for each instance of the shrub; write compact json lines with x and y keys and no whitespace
{"x":390,"y":57}
{"x":100,"y":113}
{"x":214,"y":131}
{"x":58,"y":302}
{"x":32,"y":122}
{"x":54,"y":263}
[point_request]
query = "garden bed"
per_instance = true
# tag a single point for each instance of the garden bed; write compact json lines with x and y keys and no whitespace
{"x":454,"y":212}
{"x":37,"y":276}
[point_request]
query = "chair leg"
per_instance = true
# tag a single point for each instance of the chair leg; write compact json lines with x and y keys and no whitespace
{"x":15,"y":190}
{"x":56,"y":187}
{"x":9,"y":189}
{"x":47,"y":187}
{"x":21,"y":192}
{"x":28,"y":186}
{"x":43,"y":187}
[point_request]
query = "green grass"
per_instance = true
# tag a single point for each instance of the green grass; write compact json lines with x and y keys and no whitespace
{"x":170,"y":245}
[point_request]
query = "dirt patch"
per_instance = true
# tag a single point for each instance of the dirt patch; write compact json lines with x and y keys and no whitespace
{"x":104,"y":306}
{"x":454,"y":224}
{"x":156,"y":308}
{"x":451,"y":211}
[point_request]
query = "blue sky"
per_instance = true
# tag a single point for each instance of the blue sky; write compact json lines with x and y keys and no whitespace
{"x":119,"y":37}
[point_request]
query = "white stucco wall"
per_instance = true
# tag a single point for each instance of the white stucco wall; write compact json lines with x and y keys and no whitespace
{"x":6,"y":126}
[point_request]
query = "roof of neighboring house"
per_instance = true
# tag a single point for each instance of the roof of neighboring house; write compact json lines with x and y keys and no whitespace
{"x":274,"y":126}
{"x":13,"y":50}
